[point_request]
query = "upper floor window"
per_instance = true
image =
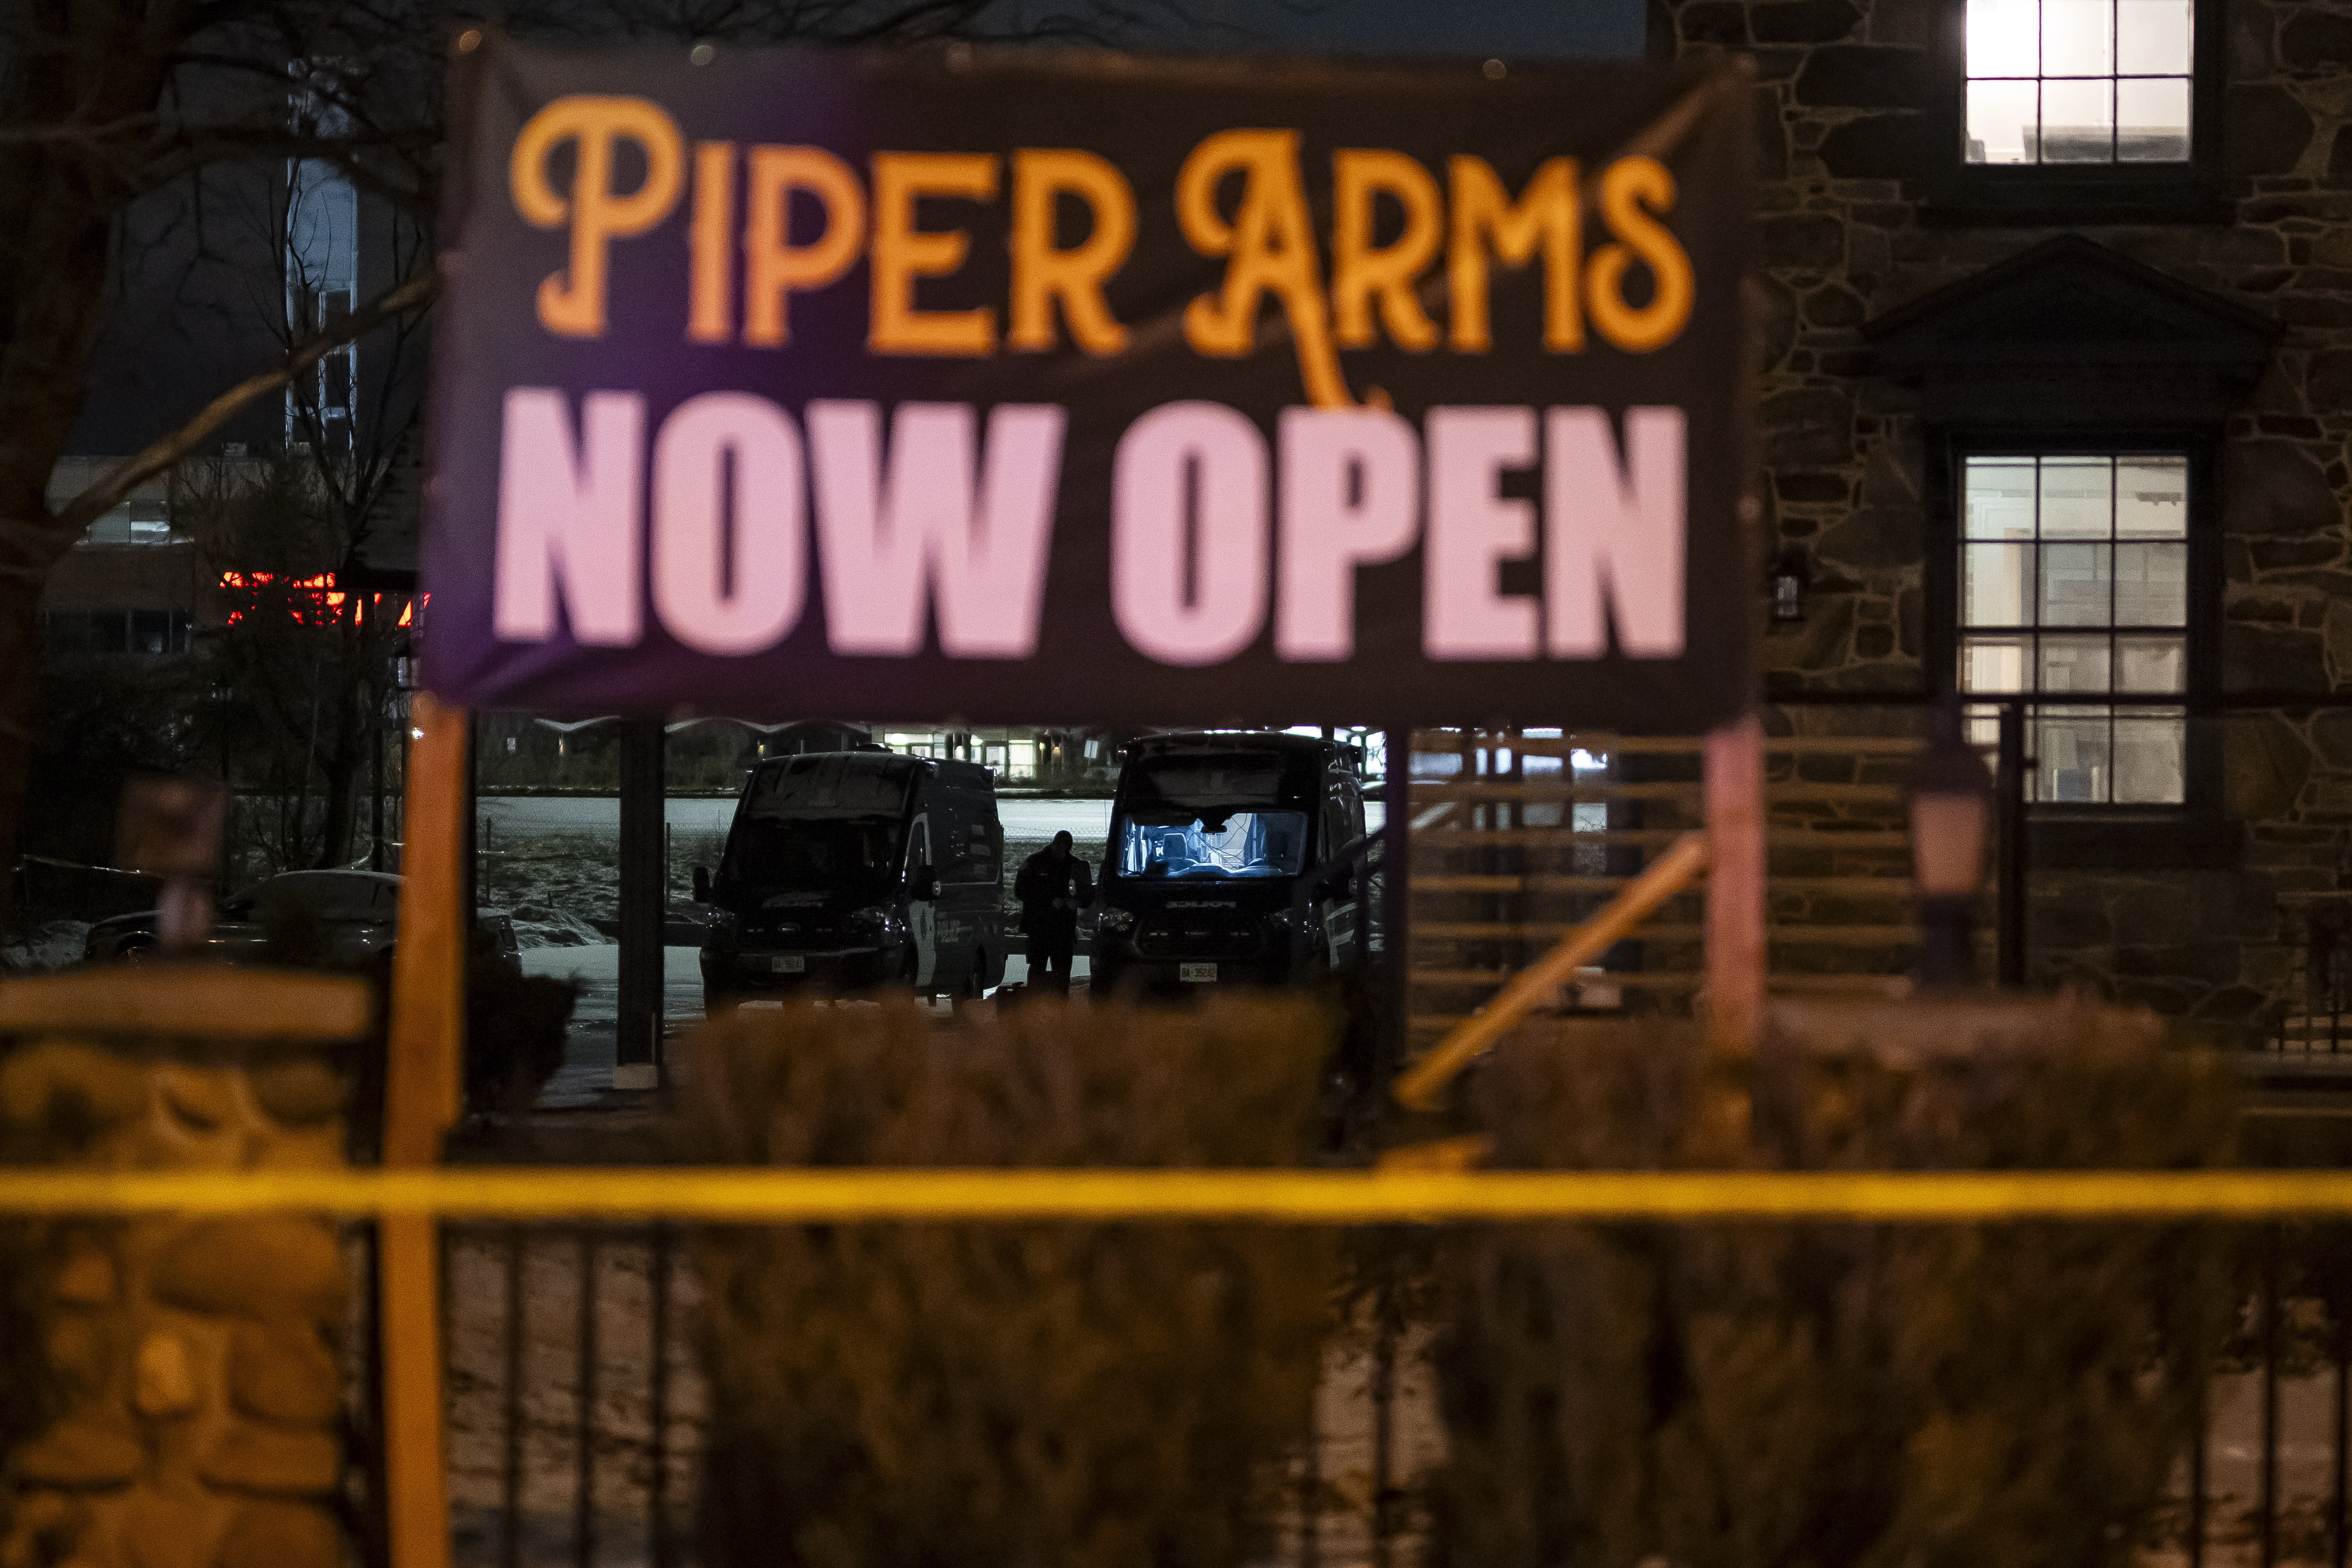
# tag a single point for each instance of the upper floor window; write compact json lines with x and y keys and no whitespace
{"x":2079,"y":81}
{"x":2079,"y":110}
{"x":117,"y":631}
{"x":133,"y":522}
{"x":2075,"y":589}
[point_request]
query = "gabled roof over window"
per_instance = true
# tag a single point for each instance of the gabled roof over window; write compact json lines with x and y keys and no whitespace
{"x":2071,"y":333}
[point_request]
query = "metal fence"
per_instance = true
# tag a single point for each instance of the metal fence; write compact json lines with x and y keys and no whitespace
{"x":579,"y":1410}
{"x":2319,"y":1006}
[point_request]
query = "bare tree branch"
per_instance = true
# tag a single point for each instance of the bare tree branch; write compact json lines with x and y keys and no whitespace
{"x":116,"y":485}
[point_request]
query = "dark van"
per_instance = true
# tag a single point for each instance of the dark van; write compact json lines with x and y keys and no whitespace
{"x":851,"y":870}
{"x":1209,"y":836}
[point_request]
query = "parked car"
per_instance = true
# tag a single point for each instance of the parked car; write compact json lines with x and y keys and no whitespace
{"x":1210,"y":834}
{"x":351,"y":916}
{"x":850,"y":870}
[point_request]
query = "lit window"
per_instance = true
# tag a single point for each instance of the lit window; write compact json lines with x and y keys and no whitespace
{"x":132,"y":522}
{"x":2079,"y":81}
{"x":2074,"y":586}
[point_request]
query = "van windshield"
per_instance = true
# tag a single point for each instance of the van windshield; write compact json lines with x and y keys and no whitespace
{"x":823,"y":823}
{"x":1211,"y":815}
{"x":823,"y":854}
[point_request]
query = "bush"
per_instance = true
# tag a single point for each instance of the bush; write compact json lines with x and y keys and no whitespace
{"x":1833,"y":1395}
{"x":1071,"y":1395}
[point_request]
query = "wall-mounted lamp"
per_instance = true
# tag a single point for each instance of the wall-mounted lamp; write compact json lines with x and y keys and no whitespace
{"x":1792,"y":574}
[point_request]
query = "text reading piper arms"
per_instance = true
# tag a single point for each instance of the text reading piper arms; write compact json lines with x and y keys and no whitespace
{"x":745,"y":262}
{"x":1214,"y":532}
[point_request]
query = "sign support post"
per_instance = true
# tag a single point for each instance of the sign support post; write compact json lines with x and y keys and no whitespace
{"x":1735,"y":886}
{"x":426,"y":1050}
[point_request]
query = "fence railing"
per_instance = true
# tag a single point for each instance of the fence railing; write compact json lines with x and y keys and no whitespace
{"x":579,"y":1413}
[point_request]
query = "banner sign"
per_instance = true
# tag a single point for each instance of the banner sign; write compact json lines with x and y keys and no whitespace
{"x":1040,"y":386}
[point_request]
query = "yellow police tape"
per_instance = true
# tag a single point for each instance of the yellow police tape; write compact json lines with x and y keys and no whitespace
{"x":1279,"y":1197}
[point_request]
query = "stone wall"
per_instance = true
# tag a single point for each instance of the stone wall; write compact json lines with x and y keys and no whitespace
{"x":1840,"y":241}
{"x":194,"y":1359}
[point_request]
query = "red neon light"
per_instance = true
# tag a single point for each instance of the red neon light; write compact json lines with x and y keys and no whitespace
{"x":324,"y":600}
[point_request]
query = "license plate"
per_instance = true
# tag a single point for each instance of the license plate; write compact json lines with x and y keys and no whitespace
{"x":1196,"y":974}
{"x":788,"y":964}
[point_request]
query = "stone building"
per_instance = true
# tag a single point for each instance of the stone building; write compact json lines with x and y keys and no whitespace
{"x":2054,"y":383}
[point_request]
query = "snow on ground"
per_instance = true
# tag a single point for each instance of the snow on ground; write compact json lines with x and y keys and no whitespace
{"x":552,"y":862}
{"x":52,"y":946}
{"x":591,"y":1046}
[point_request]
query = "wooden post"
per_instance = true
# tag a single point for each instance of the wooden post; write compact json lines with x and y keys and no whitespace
{"x":1735,"y":887}
{"x":422,"y":1096}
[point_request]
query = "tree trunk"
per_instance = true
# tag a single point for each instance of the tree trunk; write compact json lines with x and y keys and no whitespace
{"x":97,"y":64}
{"x":342,"y":768}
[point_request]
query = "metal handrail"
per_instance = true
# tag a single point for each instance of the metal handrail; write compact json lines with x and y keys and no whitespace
{"x":1419,"y":1087}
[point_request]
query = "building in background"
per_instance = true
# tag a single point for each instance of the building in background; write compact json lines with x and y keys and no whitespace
{"x":2055,"y":383}
{"x":134,"y":585}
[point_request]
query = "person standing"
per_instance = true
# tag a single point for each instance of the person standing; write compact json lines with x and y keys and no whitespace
{"x":1053,"y":885}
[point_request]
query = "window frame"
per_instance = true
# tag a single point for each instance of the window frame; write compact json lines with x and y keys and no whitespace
{"x":2194,"y":832}
{"x":1961,"y":194}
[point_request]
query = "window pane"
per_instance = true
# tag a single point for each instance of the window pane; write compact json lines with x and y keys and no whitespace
{"x":2152,"y":497}
{"x":2152,"y":120}
{"x":1998,"y":591}
{"x":2077,"y":497}
{"x":2000,"y":121}
{"x":2152,"y":37}
{"x":2004,"y":38}
{"x":1993,"y":664}
{"x":2149,"y":750}
{"x":2074,"y":584}
{"x":2077,"y":38}
{"x":2000,"y":498}
{"x":2072,"y":747}
{"x":2075,"y":664}
{"x":2151,"y":584}
{"x":2109,"y":549}
{"x":2078,"y":121}
{"x":2151,"y":663}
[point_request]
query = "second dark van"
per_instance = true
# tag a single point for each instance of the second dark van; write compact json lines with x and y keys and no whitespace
{"x":854,"y":870}
{"x":1209,"y":834}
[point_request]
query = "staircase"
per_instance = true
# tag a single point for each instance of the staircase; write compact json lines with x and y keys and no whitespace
{"x":1519,"y":836}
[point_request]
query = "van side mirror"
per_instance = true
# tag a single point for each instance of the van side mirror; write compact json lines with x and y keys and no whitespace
{"x":923,"y":883}
{"x":702,"y":884}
